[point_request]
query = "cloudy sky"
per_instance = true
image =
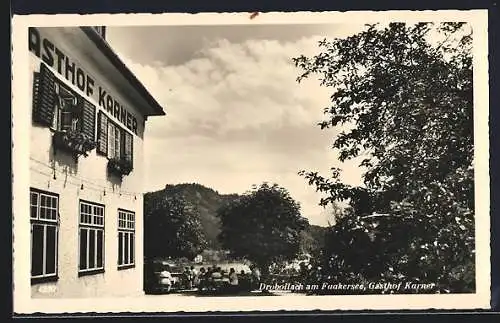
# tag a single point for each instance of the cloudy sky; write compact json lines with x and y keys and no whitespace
{"x":235,"y":114}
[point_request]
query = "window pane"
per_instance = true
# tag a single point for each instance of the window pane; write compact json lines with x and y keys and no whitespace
{"x":83,"y":248}
{"x":43,"y":200}
{"x":92,"y":249}
{"x":33,"y":210}
{"x":34,"y":198}
{"x":37,"y":250}
{"x":99,"y":248}
{"x":120,"y":248}
{"x":42,"y":213}
{"x":50,"y":260}
{"x":66,"y":120}
{"x":132,"y":247}
{"x":126,"y":245}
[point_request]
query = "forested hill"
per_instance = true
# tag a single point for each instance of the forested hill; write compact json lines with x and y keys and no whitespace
{"x":207,"y":201}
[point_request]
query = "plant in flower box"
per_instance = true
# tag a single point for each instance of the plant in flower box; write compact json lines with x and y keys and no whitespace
{"x":119,"y":166}
{"x":75,"y":142}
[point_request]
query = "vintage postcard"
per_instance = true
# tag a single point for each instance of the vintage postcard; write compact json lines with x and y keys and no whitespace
{"x":235,"y":162}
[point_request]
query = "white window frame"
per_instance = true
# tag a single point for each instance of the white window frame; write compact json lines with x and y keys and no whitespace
{"x":91,"y":218}
{"x":48,"y":218}
{"x":126,"y":228}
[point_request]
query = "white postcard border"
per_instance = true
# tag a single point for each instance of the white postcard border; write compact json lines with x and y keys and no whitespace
{"x":23,"y":303}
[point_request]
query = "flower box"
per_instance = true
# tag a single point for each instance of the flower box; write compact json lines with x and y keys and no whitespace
{"x":73,"y":142}
{"x":119,"y":167}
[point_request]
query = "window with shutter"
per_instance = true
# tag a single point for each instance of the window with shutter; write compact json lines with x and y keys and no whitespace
{"x":57,"y":106}
{"x":119,"y":147}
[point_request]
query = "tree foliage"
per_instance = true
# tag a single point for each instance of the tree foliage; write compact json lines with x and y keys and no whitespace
{"x":313,"y":240}
{"x":206,"y":201}
{"x":402,"y":96}
{"x":172,"y":227}
{"x":264,"y":225}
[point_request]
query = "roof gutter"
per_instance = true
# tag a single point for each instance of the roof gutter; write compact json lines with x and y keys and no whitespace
{"x":104,"y":47}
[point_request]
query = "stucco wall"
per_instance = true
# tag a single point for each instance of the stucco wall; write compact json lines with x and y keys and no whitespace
{"x":97,"y":187}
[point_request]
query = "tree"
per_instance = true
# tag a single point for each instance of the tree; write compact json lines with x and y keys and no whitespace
{"x":312,"y":240}
{"x":263,"y":226}
{"x":172,"y":227}
{"x":402,"y":97}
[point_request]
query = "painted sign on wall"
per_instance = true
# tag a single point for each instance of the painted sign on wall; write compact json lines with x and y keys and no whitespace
{"x":50,"y":54}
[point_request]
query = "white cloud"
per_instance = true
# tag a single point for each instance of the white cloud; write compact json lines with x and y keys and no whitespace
{"x":235,"y":117}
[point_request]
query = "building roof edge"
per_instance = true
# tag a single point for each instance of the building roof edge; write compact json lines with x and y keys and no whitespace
{"x":106,"y":49}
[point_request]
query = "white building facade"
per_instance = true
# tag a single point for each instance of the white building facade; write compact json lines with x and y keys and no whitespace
{"x":86,"y":166}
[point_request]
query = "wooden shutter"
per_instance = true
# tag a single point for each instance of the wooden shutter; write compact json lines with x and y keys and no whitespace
{"x":88,"y":119}
{"x":44,"y":96}
{"x":102,"y":134}
{"x":128,"y":146}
